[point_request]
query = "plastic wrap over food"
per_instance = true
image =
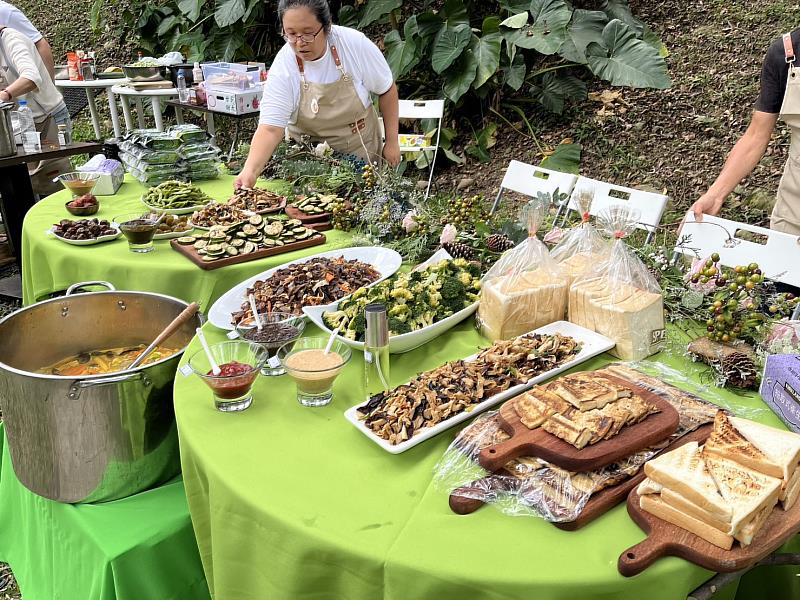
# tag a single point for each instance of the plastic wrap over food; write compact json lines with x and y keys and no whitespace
{"x":525,"y":289}
{"x":582,"y":247}
{"x":529,"y":486}
{"x":620,"y":298}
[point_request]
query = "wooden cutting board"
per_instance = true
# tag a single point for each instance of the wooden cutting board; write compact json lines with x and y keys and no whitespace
{"x":665,"y":539}
{"x":295,"y":213}
{"x":599,"y":504}
{"x":189,"y":252}
{"x":538,"y":442}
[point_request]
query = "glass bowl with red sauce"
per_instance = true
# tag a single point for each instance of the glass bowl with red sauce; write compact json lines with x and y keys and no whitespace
{"x":240,"y":363}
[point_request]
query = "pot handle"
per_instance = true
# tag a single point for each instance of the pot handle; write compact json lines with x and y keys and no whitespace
{"x":76,"y":286}
{"x":77,"y":386}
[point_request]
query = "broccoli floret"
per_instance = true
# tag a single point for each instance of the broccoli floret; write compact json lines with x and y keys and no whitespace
{"x":434,"y":298}
{"x":335,"y":318}
{"x":400,"y":312}
{"x":349,"y":334}
{"x":474,"y":270}
{"x":415,"y":277}
{"x":398,"y":327}
{"x":453,"y":287}
{"x":424,"y":320}
{"x":402,"y":294}
{"x":358,"y":324}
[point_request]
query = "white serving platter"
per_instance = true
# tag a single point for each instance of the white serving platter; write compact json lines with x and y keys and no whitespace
{"x":397,"y":343}
{"x":172,"y":234}
{"x":90,"y":242}
{"x":386,"y":261}
{"x":174,"y":211}
{"x":592,"y":345}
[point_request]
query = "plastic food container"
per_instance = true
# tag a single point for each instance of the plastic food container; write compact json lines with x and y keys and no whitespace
{"x":230,"y":76}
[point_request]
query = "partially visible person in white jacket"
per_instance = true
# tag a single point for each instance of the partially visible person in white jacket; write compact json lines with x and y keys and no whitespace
{"x":11,"y":16}
{"x":23,"y":75}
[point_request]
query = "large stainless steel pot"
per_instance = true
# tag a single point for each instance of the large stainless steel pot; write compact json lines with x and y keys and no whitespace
{"x":90,"y":438}
{"x":8,"y":147}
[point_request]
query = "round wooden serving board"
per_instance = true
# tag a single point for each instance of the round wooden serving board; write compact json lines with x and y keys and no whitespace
{"x":666,"y":539}
{"x":538,"y":442}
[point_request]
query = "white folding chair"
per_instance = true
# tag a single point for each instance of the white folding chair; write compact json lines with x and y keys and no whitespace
{"x":649,"y":204}
{"x":422,"y":109}
{"x":778,"y":257}
{"x":528,"y":179}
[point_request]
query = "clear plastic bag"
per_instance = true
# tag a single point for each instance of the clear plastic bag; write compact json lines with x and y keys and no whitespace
{"x":620,"y":298}
{"x":532,"y":487}
{"x":525,"y":289}
{"x":189,"y":133}
{"x":582,"y":247}
{"x":199,"y":151}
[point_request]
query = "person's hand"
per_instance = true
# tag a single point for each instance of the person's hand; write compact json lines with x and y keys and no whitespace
{"x":245,"y":179}
{"x":391,"y":152}
{"x":706,"y":204}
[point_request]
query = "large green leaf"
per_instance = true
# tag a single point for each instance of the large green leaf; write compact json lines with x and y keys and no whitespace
{"x":190,"y":9}
{"x":446,"y":144}
{"x":516,"y":21}
{"x":549,"y":29}
{"x":403,"y":54}
{"x":555,"y":88}
{"x":227,"y":43}
{"x":487,"y":54}
{"x":515,"y":6}
{"x":228,"y":12}
{"x":455,"y":12}
{"x":651,"y":37}
{"x":450,"y":42}
{"x":566,"y":158}
{"x":622,"y":59}
{"x":459,"y":78}
{"x":490,"y":24}
{"x":621,"y":9}
{"x":586,"y":27}
{"x":348,"y":16}
{"x":429,"y":25}
{"x":484,"y":141}
{"x":514,"y":73}
{"x":166,"y":25}
{"x":375,"y":9}
{"x":95,"y":14}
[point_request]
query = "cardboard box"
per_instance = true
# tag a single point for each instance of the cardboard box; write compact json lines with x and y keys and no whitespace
{"x":780,"y":388}
{"x":234,"y":103}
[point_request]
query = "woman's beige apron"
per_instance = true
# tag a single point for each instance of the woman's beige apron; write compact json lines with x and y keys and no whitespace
{"x":786,"y":214}
{"x":334,"y":113}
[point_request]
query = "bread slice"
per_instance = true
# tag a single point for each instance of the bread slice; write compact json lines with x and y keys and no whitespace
{"x":684,"y":471}
{"x":780,"y":446}
{"x":750,"y":530}
{"x":585,"y":391}
{"x":679,"y":502}
{"x":537,"y":405}
{"x":790,"y":494}
{"x":747,"y":491}
{"x":788,"y":485}
{"x":656,"y":506}
{"x":727,"y":442}
{"x":648,"y":486}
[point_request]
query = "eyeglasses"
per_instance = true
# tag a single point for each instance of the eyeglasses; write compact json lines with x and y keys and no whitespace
{"x":305,"y":37}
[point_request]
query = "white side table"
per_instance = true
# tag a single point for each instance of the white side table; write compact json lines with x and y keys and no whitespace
{"x":91,"y":88}
{"x":126,"y":93}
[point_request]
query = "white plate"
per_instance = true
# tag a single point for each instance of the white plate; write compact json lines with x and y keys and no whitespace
{"x":172,"y":235}
{"x":386,"y":261}
{"x":593,"y":344}
{"x":397,"y":343}
{"x":91,"y":242}
{"x":174,"y":211}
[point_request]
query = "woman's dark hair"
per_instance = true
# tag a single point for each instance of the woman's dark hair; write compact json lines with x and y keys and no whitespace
{"x":320,"y":8}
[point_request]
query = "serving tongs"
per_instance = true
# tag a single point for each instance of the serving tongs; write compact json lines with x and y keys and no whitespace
{"x":176,"y":323}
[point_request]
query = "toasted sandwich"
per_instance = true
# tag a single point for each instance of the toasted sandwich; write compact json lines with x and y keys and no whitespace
{"x":790,"y":493}
{"x":648,"y":486}
{"x":725,"y":441}
{"x":781,"y":447}
{"x":653,"y":504}
{"x":684,"y":471}
{"x":682,"y":504}
{"x":748,"y":492}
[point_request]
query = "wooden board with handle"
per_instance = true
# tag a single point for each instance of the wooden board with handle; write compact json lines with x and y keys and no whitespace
{"x":666,"y":539}
{"x":306,"y":218}
{"x":538,"y":442}
{"x":189,"y":252}
{"x":599,"y":504}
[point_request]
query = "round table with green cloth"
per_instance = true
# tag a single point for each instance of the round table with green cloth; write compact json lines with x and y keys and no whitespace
{"x":49,"y":265}
{"x":294,"y":502}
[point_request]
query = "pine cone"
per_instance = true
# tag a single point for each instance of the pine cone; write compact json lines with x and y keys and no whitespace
{"x":459,"y":250}
{"x":739,"y":370}
{"x":499,"y":242}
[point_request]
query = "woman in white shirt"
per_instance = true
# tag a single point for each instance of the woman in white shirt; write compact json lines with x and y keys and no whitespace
{"x":319,"y":86}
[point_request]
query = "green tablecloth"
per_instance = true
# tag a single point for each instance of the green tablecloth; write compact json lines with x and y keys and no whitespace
{"x":291,"y":502}
{"x":49,"y":265}
{"x":136,"y":548}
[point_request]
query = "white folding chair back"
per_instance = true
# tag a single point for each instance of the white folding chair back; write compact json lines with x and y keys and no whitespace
{"x":778,"y":258}
{"x":424,"y":109}
{"x":528,"y":179}
{"x":649,"y":204}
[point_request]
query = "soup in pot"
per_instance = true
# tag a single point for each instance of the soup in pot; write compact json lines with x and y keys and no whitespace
{"x":102,"y":362}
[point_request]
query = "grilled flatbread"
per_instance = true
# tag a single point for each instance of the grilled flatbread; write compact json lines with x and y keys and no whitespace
{"x":746,"y":491}
{"x":683,"y":470}
{"x":727,"y":442}
{"x":586,"y":391}
{"x":781,"y":447}
{"x":537,"y":405}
